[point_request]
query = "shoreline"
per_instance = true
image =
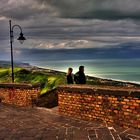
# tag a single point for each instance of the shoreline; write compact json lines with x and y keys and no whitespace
{"x":39,"y":68}
{"x":109,"y":79}
{"x":124,"y":83}
{"x":118,"y":80}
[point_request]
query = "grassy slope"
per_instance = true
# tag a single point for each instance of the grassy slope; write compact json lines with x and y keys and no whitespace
{"x":48,"y":80}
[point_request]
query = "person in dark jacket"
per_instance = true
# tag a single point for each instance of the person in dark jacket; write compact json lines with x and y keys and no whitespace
{"x":80,"y":77}
{"x":69,"y":76}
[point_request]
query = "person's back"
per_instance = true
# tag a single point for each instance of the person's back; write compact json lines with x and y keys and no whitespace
{"x":80,"y":77}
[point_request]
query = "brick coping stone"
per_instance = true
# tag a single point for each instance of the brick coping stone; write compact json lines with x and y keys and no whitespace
{"x":19,"y":85}
{"x":110,"y":90}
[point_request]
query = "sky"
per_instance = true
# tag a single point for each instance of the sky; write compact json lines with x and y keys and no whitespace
{"x":70,"y":24}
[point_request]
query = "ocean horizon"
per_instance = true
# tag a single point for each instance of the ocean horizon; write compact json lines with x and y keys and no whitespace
{"x":121,"y":64}
{"x":127,"y":70}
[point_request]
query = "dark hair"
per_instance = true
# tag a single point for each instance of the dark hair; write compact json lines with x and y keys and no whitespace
{"x":69,"y":71}
{"x":81,"y":67}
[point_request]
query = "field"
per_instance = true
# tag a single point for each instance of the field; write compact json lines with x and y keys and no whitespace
{"x":49,"y":80}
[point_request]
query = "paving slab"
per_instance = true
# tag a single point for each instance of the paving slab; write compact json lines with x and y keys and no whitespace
{"x":35,"y":123}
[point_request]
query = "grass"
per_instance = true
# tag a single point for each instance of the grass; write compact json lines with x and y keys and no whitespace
{"x":48,"y":80}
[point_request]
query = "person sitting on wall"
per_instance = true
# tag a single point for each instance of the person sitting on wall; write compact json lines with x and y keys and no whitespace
{"x":80,"y":77}
{"x":69,"y":76}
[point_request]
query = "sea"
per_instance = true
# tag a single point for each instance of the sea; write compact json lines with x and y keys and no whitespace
{"x":116,"y":69}
{"x":122,"y":64}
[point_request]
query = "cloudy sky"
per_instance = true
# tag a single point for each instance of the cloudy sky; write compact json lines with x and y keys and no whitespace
{"x":53,"y":24}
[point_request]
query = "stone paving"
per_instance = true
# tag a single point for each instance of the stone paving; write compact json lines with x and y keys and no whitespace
{"x":18,"y":123}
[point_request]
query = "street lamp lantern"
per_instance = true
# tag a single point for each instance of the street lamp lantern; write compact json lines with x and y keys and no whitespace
{"x":21,"y":39}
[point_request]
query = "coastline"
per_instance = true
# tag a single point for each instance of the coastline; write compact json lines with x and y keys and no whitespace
{"x":91,"y":79}
{"x":115,"y":69}
{"x":113,"y":81}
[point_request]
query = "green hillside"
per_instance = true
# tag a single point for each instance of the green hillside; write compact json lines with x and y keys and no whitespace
{"x":49,"y":79}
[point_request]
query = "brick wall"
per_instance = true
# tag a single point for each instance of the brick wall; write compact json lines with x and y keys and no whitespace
{"x":119,"y":106}
{"x":19,"y":94}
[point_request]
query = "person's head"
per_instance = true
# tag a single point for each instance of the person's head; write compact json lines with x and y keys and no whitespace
{"x":70,"y":70}
{"x":81,"y":68}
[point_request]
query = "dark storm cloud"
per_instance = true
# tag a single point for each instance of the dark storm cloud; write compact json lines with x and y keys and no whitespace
{"x":20,"y":9}
{"x":44,"y":26}
{"x":90,"y":9}
{"x":99,"y":9}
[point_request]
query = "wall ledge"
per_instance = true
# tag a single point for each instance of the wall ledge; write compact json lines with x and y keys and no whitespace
{"x":104,"y":90}
{"x":19,"y":85}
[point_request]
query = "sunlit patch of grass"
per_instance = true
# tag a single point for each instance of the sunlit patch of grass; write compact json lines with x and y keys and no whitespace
{"x":48,"y":80}
{"x":49,"y":85}
{"x":4,"y":72}
{"x":5,"y":75}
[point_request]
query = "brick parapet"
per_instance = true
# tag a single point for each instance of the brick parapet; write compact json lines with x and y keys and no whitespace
{"x":116,"y":105}
{"x":19,"y":94}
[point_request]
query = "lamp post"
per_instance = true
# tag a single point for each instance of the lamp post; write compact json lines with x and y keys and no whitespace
{"x":21,"y":39}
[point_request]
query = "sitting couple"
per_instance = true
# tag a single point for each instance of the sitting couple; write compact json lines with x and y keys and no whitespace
{"x":79,"y":77}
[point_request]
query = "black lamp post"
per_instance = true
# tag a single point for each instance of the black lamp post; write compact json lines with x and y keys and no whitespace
{"x":21,"y":40}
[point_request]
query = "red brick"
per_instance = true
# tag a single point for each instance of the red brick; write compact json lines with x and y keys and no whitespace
{"x":135,"y":104}
{"x":126,"y":100}
{"x":100,"y":97}
{"x":116,"y":111}
{"x":123,"y":103}
{"x":125,"y":106}
{"x":132,"y":107}
{"x":114,"y":99}
{"x":129,"y":110}
{"x":137,"y":101}
{"x":135,"y":112}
